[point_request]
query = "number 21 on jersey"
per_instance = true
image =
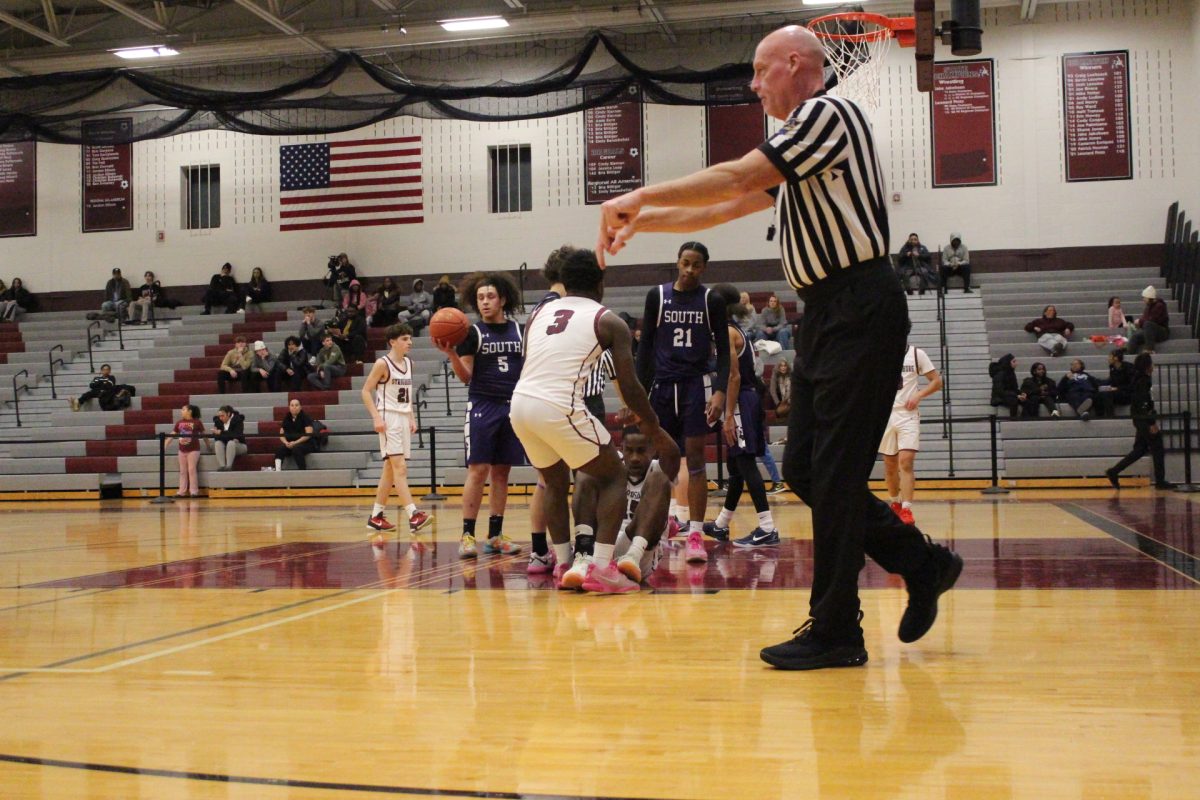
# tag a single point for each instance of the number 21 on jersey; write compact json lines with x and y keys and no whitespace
{"x":683,"y":337}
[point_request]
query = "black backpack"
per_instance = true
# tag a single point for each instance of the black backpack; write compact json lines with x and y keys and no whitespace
{"x":320,"y":435}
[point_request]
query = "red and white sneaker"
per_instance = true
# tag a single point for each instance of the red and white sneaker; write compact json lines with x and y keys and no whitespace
{"x":906,"y":516}
{"x":896,"y":507}
{"x":694,"y":551}
{"x":380,"y":523}
{"x":608,"y":580}
{"x":672,"y":528}
{"x":418,"y":520}
{"x":540,"y":565}
{"x":559,"y":571}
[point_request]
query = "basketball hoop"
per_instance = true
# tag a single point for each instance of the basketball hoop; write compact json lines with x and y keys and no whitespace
{"x":856,"y":45}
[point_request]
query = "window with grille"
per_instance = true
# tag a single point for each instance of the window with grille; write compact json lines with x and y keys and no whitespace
{"x":511,"y":178}
{"x":201,"y":196}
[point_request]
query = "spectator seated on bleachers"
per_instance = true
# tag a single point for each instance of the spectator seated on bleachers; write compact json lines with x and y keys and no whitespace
{"x":1006,"y":392}
{"x":774,"y":325}
{"x":141,"y":309}
{"x":1052,"y":331}
{"x":222,"y":291}
{"x":229,"y":437}
{"x":117,"y":296}
{"x":914,"y":265}
{"x":104,"y":388}
{"x":329,"y":366}
{"x":420,"y":307}
{"x":746,"y":317}
{"x":257,"y":291}
{"x":15,"y":301}
{"x":1116,"y":315}
{"x":383,"y":306}
{"x":291,"y":366}
{"x":354,"y":297}
{"x":1079,"y":389}
{"x":235,"y":365}
{"x":312,"y":331}
{"x":1039,"y":391}
{"x":1118,"y":389}
{"x":349,"y":331}
{"x":295,"y":437}
{"x":956,"y":260}
{"x":444,"y":294}
{"x":340,"y":273}
{"x":262,"y":370}
{"x":1153,"y":326}
{"x":779,"y":389}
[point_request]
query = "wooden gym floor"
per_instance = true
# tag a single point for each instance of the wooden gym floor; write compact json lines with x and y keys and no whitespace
{"x":267,"y":649}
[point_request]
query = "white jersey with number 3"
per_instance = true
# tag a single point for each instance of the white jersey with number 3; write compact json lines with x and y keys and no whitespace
{"x":561,"y":347}
{"x":394,"y":393}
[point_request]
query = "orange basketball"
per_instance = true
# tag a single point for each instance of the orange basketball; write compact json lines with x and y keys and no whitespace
{"x":449,"y":325}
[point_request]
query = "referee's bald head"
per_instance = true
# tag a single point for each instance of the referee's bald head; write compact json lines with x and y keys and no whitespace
{"x":789,"y":68}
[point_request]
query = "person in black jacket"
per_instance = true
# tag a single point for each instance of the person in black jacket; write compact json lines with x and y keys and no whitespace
{"x":291,"y":366}
{"x":1039,"y":391}
{"x":350,"y":335}
{"x":295,"y":436}
{"x":222,"y":291}
{"x":444,"y":294}
{"x":229,"y":437}
{"x":15,"y":301}
{"x":1118,"y":389}
{"x":341,"y":272}
{"x":1005,"y":391}
{"x":104,"y":387}
{"x":914,"y":265}
{"x":1079,"y":389}
{"x":257,"y":291}
{"x":1148,"y":437}
{"x":144,"y":298}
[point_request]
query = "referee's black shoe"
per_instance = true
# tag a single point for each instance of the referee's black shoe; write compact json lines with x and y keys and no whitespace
{"x":806,"y":650}
{"x":924,"y":589}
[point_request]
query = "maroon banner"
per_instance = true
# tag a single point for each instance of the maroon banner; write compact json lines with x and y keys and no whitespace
{"x":1096,"y":112}
{"x":18,"y":189}
{"x":612,"y":144}
{"x":107,"y":175}
{"x":963,"y":123}
{"x":735,"y":120}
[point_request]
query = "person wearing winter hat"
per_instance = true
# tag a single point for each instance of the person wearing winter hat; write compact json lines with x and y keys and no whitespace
{"x":956,"y":260}
{"x":1005,"y":390}
{"x":1153,"y":326}
{"x":262,"y":370}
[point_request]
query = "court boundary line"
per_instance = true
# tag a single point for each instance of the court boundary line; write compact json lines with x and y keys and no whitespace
{"x":297,"y":783}
{"x":1174,"y":559}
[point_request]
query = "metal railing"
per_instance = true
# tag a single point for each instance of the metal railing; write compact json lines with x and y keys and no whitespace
{"x":1181,"y":264}
{"x":93,"y":339}
{"x":521,"y":270}
{"x":53,"y":361}
{"x":17,"y":394}
{"x":419,"y":402}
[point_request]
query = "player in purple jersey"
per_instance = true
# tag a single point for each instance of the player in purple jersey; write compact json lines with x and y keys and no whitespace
{"x":745,"y":433}
{"x":489,"y":361}
{"x":683,"y":323}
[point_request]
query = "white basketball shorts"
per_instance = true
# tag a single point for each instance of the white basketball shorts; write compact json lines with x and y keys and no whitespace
{"x":550,"y":434}
{"x":903,"y":432}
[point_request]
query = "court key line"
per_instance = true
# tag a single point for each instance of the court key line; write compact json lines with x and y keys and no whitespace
{"x":296,"y":783}
{"x":1170,"y":557}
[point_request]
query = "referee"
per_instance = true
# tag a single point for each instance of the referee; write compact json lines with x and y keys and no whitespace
{"x":821,"y":172}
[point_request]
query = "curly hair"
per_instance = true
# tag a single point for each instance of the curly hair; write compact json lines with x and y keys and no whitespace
{"x":505,"y":286}
{"x":552,"y":271}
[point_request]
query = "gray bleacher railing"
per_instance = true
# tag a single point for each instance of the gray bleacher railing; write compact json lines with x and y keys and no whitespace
{"x":1181,"y":264}
{"x":53,"y":361}
{"x":521,"y":270}
{"x":16,"y":401}
{"x":94,"y":338}
{"x":944,"y":356}
{"x":1178,"y":389}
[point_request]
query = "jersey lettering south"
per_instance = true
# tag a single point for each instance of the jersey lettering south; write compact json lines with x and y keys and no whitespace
{"x":499,"y":357}
{"x":916,"y":363}
{"x":561,"y":351}
{"x":394,"y":393}
{"x":683,"y":338}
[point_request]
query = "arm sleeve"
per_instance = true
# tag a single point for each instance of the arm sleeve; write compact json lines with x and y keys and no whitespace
{"x":716,"y":314}
{"x":810,"y":142}
{"x":469,"y":345}
{"x":645,"y":353}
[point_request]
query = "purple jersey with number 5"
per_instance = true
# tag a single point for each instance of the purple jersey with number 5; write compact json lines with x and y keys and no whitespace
{"x":683,"y":339}
{"x":499,"y":355}
{"x":561,"y":350}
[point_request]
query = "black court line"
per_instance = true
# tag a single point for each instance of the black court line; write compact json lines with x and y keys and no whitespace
{"x":293,"y":783}
{"x":1177,"y":560}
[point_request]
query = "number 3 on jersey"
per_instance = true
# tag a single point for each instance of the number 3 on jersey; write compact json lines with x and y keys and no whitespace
{"x":561,"y":318}
{"x":683,"y":337}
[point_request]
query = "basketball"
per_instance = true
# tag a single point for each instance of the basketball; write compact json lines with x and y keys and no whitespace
{"x":449,"y":325}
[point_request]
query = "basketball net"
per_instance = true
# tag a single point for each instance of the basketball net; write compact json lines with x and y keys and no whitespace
{"x":856,"y":45}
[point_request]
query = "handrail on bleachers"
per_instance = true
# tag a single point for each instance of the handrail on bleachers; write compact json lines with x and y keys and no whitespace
{"x":17,"y":394}
{"x":94,"y":338}
{"x":53,"y":361}
{"x":1181,"y":264}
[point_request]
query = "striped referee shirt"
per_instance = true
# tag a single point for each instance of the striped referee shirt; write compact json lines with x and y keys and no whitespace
{"x":830,"y":211}
{"x":602,"y":371}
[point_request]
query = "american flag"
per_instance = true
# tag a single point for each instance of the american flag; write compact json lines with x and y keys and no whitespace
{"x":347,"y":184}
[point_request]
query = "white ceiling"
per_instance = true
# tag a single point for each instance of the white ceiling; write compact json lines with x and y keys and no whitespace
{"x":41,"y":36}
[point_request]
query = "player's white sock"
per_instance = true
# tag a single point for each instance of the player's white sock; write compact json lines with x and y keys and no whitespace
{"x":377,"y":509}
{"x":602,"y":555}
{"x":907,"y":504}
{"x":410,"y":509}
{"x":696,"y":526}
{"x":638,"y":548}
{"x":723,"y":518}
{"x":894,"y":500}
{"x":562,"y":552}
{"x":766,"y":521}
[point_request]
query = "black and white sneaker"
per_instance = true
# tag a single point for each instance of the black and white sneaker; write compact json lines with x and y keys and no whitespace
{"x":713,"y":532}
{"x":758,"y":538}
{"x":777,"y":487}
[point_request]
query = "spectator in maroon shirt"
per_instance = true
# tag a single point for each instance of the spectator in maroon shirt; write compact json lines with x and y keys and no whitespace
{"x":1154,"y":324}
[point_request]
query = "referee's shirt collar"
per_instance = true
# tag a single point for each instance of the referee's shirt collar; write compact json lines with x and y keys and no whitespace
{"x":796,"y":110}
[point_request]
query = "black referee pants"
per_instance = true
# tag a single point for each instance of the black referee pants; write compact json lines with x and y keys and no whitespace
{"x":849,"y":354}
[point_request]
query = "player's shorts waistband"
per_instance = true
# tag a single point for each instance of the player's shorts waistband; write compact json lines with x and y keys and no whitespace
{"x":836,"y":281}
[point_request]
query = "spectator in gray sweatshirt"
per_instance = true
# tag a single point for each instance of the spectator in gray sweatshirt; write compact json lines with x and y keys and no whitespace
{"x":956,"y":260}
{"x":262,"y":370}
{"x":420,"y":307}
{"x":311,"y":332}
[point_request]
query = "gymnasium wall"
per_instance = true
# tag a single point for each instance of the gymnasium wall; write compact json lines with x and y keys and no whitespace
{"x":1031,"y":208}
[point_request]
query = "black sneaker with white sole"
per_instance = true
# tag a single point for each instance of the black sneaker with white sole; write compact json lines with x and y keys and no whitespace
{"x":758,"y":538}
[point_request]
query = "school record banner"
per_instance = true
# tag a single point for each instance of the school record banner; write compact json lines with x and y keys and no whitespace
{"x":612,"y":145}
{"x":18,"y":189}
{"x":1096,"y":116}
{"x":107,"y":176}
{"x":963,"y":123}
{"x":735,"y":120}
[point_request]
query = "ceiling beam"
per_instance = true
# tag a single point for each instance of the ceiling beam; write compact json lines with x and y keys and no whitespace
{"x":279,"y":24}
{"x":386,"y":5}
{"x":32,"y":30}
{"x":660,"y":19}
{"x":51,"y":17}
{"x":136,"y":16}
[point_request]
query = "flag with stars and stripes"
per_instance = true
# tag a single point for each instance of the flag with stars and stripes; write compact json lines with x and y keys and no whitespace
{"x":348,"y":184}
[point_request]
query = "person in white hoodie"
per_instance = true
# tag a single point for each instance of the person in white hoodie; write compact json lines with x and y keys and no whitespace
{"x":956,"y":260}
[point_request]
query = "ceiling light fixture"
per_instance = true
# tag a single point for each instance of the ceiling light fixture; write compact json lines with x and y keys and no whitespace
{"x":152,"y":51}
{"x":473,"y":23}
